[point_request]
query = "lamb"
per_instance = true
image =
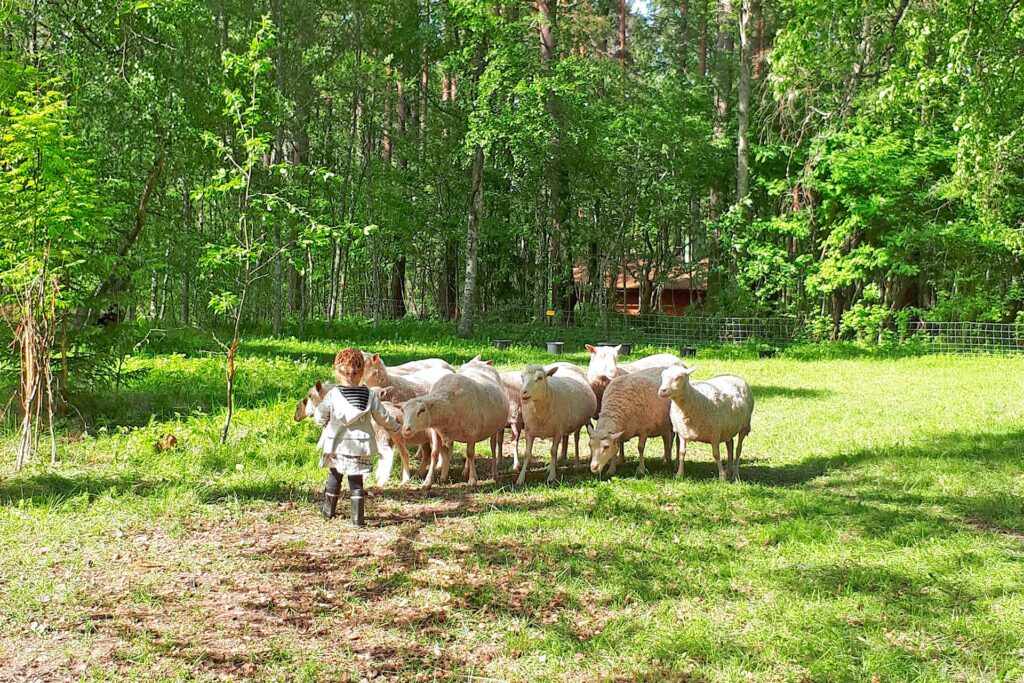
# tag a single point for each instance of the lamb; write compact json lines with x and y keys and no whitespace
{"x":709,"y":412}
{"x":397,"y":387}
{"x":468,"y":406}
{"x":410,"y":367}
{"x":385,"y":441}
{"x":554,"y":407}
{"x":631,"y":408}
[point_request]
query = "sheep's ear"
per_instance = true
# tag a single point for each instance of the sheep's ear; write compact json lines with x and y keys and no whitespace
{"x":383,"y":393}
{"x":489,"y":362}
{"x":474,"y":359}
{"x":375,"y":358}
{"x":590,"y":349}
{"x":617,"y":435}
{"x":618,"y":349}
{"x":590,"y":432}
{"x":689,"y":371}
{"x":319,"y":386}
{"x":552,"y":371}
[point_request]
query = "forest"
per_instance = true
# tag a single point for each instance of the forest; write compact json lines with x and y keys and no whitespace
{"x":263,"y":165}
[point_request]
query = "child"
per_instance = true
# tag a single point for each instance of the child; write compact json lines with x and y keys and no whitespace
{"x":347,"y":443}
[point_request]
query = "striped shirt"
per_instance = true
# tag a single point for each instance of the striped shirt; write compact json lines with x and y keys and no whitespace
{"x":358,"y":397}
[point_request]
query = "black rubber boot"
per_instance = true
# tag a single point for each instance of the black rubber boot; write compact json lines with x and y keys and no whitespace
{"x":358,"y":505}
{"x":330,"y":505}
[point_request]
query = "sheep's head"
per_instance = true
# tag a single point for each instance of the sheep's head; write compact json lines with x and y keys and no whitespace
{"x":604,"y":361}
{"x":307,"y":406}
{"x":374,"y":373}
{"x":415,"y":416}
{"x":674,"y":380}
{"x":477,"y":360}
{"x":604,"y":444}
{"x":534,"y":379}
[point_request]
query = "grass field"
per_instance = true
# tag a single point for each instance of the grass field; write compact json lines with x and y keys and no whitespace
{"x":878,"y":535}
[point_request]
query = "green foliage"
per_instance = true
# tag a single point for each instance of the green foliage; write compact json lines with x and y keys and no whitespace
{"x":52,"y":225}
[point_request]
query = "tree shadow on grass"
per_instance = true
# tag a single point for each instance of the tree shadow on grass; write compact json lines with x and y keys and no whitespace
{"x":53,"y":489}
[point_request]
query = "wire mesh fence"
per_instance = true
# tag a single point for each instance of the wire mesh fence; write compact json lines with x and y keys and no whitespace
{"x":969,"y":337}
{"x":525,"y":324}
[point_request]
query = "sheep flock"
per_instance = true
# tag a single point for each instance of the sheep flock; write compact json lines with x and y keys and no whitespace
{"x":438,"y":405}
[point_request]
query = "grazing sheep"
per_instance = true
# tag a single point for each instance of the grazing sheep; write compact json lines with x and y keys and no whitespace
{"x":396,"y":387}
{"x":553,"y":407}
{"x":709,"y":412}
{"x":468,"y":406}
{"x":631,"y":408}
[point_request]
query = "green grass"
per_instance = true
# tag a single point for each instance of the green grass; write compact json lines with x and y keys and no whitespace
{"x":878,"y":535}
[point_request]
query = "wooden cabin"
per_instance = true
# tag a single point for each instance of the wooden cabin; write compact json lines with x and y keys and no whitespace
{"x":671,"y":293}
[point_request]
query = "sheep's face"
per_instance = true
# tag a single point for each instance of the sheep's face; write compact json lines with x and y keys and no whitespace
{"x":674,"y":380}
{"x":415,"y":417}
{"x":603,"y":362}
{"x":307,"y":406}
{"x":375,"y":374}
{"x":603,"y":447}
{"x":535,"y":379}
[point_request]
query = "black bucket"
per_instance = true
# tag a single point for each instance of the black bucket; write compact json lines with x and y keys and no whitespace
{"x":501,"y":344}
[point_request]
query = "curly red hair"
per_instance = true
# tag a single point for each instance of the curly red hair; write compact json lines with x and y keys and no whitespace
{"x":349,"y":358}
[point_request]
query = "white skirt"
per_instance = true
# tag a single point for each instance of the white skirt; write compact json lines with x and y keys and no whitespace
{"x":347,"y":464}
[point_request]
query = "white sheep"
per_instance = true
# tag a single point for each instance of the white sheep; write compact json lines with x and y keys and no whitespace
{"x":554,"y":407}
{"x":468,"y":406}
{"x":570,"y":371}
{"x":604,"y":367}
{"x":410,"y":367}
{"x":709,"y":412}
{"x":398,"y":386}
{"x":631,"y":408}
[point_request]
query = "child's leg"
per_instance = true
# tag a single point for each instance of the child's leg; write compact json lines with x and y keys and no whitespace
{"x":355,"y":487}
{"x":331,"y":492}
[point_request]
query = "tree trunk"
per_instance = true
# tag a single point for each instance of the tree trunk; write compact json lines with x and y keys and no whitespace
{"x":476,"y":212}
{"x":722,"y":89}
{"x":398,"y":309}
{"x":743,"y":105}
{"x":684,"y":25}
{"x":702,"y":44}
{"x":623,"y":13}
